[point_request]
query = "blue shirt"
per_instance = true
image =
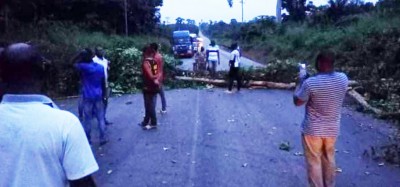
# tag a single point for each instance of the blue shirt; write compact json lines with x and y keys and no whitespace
{"x":92,"y":75}
{"x":324,"y":94}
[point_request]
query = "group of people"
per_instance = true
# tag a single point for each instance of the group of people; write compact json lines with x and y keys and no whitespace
{"x":42,"y":145}
{"x":209,"y":60}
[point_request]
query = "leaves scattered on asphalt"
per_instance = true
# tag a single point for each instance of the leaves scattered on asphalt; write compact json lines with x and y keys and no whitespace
{"x":245,"y":165}
{"x":298,"y":154}
{"x":109,"y":172}
{"x":209,"y":134}
{"x":129,"y":103}
{"x":285,"y":146}
{"x":339,"y":170}
{"x":173,"y":161}
{"x":165,"y":148}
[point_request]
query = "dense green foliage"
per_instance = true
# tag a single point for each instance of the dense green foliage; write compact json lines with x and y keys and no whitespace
{"x":100,"y":15}
{"x":366,"y":39}
{"x":60,"y":42}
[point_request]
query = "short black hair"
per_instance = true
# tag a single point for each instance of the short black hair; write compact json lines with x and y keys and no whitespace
{"x":234,"y":46}
{"x":87,"y":55}
{"x":326,"y":56}
{"x":154,"y":46}
{"x":21,"y":63}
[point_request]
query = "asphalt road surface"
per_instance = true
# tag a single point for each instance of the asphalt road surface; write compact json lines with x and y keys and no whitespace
{"x":209,"y":138}
{"x":187,"y":63}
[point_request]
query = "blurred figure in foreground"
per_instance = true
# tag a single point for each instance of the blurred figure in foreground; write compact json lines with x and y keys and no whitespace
{"x":40,"y":144}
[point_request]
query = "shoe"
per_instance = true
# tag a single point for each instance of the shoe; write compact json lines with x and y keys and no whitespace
{"x":228,"y":92}
{"x":141,"y":124}
{"x":163,"y":111}
{"x":103,"y":142}
{"x":149,"y":127}
{"x":108,"y":123}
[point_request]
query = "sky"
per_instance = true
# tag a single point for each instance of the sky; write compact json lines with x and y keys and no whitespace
{"x":217,"y":10}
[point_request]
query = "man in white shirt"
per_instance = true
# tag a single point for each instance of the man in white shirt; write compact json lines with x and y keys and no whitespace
{"x":40,"y":145}
{"x":212,"y":54}
{"x":234,"y":68}
{"x":100,"y":59}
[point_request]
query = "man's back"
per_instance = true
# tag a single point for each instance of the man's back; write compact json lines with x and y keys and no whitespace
{"x":213,"y":52}
{"x":92,"y":79}
{"x":40,"y":145}
{"x":326,"y":92}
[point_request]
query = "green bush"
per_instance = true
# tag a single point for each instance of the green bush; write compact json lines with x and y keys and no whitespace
{"x":61,"y":41}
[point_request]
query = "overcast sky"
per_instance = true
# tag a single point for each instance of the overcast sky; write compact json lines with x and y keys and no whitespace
{"x":217,"y":10}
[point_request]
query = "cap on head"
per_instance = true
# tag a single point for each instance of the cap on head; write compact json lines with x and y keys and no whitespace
{"x":21,"y":63}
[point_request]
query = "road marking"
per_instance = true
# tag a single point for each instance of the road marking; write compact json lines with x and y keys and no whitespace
{"x":194,"y":140}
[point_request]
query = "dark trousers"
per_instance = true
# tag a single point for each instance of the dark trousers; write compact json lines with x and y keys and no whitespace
{"x":150,"y":102}
{"x":234,"y":75}
{"x":163,"y":101}
{"x":105,"y":101}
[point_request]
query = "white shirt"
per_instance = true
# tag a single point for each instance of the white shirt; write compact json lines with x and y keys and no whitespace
{"x":41,"y":145}
{"x":213,"y":53}
{"x":235,"y":53}
{"x":104,"y":62}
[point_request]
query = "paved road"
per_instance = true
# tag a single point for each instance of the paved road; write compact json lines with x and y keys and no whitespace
{"x":224,"y":55}
{"x":209,"y":138}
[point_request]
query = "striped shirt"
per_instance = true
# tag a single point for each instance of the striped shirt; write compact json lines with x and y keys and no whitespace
{"x":324,"y":94}
{"x":213,"y":53}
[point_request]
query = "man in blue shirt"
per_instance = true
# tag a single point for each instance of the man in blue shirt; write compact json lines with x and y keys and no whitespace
{"x":93,"y":88}
{"x":323,"y":95}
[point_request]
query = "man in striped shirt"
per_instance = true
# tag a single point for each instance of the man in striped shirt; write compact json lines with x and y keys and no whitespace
{"x":212,"y":54}
{"x":323,"y":95}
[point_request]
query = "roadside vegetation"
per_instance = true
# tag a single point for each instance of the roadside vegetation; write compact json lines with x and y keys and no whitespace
{"x":365,"y":37}
{"x":62,"y":28}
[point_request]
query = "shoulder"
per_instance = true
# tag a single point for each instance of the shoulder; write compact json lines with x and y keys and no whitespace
{"x":341,"y":75}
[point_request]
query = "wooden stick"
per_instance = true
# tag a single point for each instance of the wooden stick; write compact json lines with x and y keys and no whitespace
{"x":360,"y":99}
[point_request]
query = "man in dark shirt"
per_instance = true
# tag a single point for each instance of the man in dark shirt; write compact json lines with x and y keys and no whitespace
{"x":151,"y":87}
{"x":93,"y":87}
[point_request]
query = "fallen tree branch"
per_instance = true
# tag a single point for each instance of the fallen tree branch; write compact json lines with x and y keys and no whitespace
{"x":248,"y":84}
{"x":219,"y":82}
{"x":360,"y":99}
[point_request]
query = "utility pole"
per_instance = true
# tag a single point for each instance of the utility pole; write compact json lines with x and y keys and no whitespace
{"x":242,"y":1}
{"x":278,"y":11}
{"x":126,"y":18}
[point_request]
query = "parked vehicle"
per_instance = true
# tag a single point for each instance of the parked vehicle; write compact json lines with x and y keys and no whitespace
{"x":182,"y":44}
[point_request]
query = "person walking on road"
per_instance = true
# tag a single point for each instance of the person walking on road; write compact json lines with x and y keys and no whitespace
{"x":213,"y":58}
{"x":93,"y":90}
{"x":151,"y":87}
{"x":200,"y":59}
{"x":40,"y":145}
{"x":160,"y":62}
{"x":100,"y":59}
{"x":323,"y":95}
{"x":234,"y":68}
